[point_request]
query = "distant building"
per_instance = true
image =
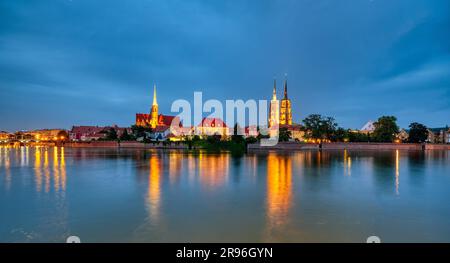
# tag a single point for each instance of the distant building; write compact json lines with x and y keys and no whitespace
{"x":402,"y":136}
{"x":93,"y":133}
{"x":251,"y":131}
{"x":369,"y":127}
{"x":280,"y":115}
{"x":5,"y":136}
{"x":297,"y":133}
{"x":274,"y":108}
{"x":285,"y":108}
{"x":153,"y":119}
{"x":439,"y":135}
{"x":212,"y":126}
{"x":49,"y":135}
{"x":160,"y":133}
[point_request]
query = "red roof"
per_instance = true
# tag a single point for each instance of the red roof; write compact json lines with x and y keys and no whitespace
{"x":167,"y":120}
{"x":142,"y":116}
{"x":92,"y":130}
{"x":212,"y":122}
{"x":86,"y":129}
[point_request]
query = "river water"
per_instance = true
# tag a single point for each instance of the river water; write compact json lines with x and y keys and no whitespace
{"x":110,"y":195}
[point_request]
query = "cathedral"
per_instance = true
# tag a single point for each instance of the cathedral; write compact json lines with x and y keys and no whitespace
{"x":280,"y":113}
{"x":153,"y":119}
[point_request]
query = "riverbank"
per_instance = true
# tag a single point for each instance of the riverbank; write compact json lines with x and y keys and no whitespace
{"x":294,"y":146}
{"x":281,"y":146}
{"x":125,"y":144}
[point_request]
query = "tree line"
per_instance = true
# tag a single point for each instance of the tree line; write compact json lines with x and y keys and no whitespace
{"x":322,"y":128}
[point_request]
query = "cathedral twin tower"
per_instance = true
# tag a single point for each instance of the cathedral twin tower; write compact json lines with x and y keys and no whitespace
{"x":280,"y":114}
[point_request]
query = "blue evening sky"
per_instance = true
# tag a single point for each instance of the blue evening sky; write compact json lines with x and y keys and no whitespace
{"x":85,"y":62}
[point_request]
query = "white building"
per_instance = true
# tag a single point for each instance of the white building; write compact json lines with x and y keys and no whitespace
{"x":369,"y":127}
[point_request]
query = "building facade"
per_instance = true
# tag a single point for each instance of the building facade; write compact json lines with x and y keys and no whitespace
{"x":285,"y":108}
{"x":212,"y":126}
{"x":94,"y":133}
{"x":274,"y":108}
{"x":154,"y":119}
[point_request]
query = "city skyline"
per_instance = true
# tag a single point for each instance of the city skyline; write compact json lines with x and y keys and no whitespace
{"x":354,"y":64}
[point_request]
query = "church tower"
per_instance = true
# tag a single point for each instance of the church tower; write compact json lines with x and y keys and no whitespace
{"x":154,"y":110}
{"x":285,"y":110}
{"x":274,"y":109}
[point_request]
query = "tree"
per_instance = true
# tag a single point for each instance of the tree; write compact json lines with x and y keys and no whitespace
{"x":236,"y":137}
{"x":340,"y":135}
{"x":125,"y":136}
{"x":358,"y":137}
{"x":319,"y":127}
{"x":111,"y":134}
{"x":284,"y":135}
{"x":418,"y":133}
{"x":385,"y":129}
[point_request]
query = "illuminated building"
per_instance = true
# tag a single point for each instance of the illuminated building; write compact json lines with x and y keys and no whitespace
{"x":153,"y":119}
{"x":5,"y":136}
{"x":212,"y":126}
{"x":45,"y":135}
{"x":280,"y":115}
{"x":285,"y":108}
{"x":274,"y":109}
{"x":368,"y":128}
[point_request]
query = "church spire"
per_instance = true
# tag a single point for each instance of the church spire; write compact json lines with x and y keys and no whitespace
{"x":154,"y":95}
{"x":274,"y":94}
{"x":285,"y":87}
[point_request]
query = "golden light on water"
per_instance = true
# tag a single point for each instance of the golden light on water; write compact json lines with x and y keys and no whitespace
{"x":37,"y":169}
{"x":397,"y":172}
{"x":7,"y":165}
{"x":175,"y":166}
{"x":49,"y":169}
{"x":46,"y":171}
{"x":347,"y":164}
{"x":154,"y":188}
{"x":55,"y":169}
{"x":213,"y":169}
{"x":63,"y":169}
{"x":279,"y":190}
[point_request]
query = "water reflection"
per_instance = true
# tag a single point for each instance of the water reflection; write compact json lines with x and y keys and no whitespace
{"x":176,"y":196}
{"x":154,"y":189}
{"x":175,"y":166}
{"x":48,"y":168}
{"x":347,"y":163}
{"x":213,"y":169}
{"x":397,"y":172}
{"x":37,"y":169}
{"x":279,"y":191}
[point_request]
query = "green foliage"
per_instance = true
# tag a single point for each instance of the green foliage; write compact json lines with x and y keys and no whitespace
{"x":125,"y":136}
{"x":111,"y":134}
{"x":250,"y":140}
{"x":236,"y":137}
{"x":418,"y":133}
{"x":215,"y":143}
{"x":284,"y":135}
{"x":319,"y":127}
{"x":358,"y":137}
{"x":385,"y":129}
{"x":340,"y":135}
